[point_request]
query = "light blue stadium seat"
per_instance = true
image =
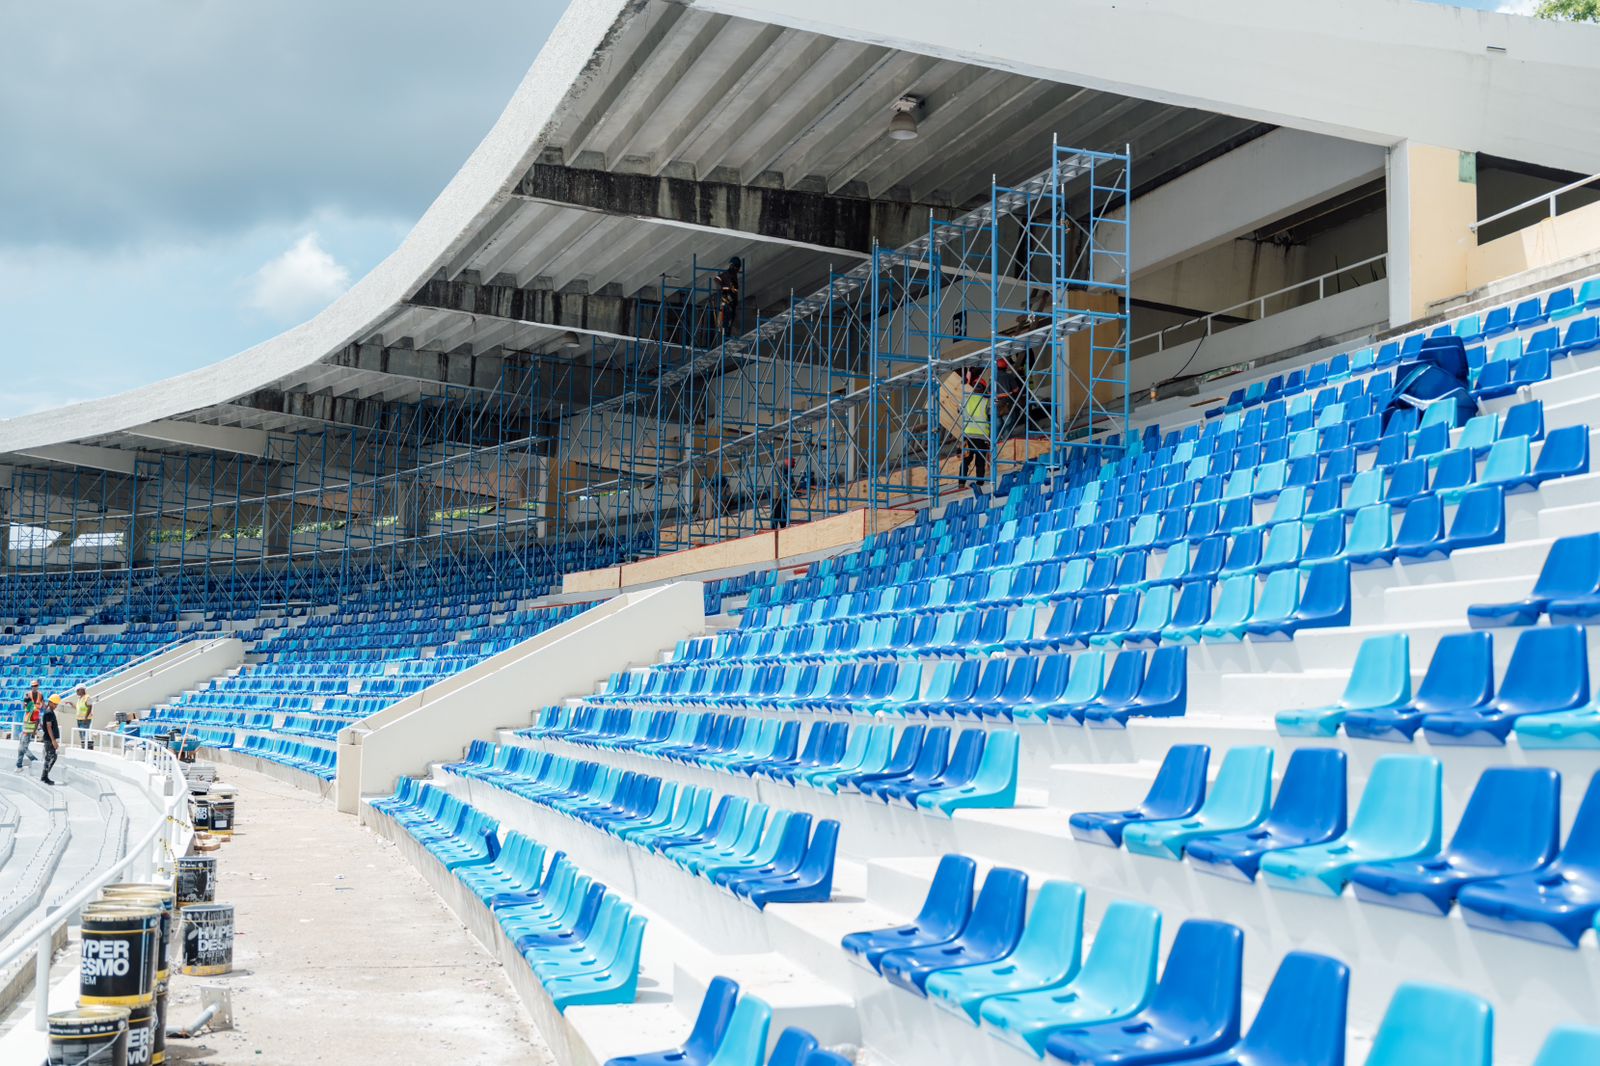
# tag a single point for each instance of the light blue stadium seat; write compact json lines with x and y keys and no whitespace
{"x":1116,"y":981}
{"x":1379,"y":680}
{"x":1570,"y":1045}
{"x":1047,"y":956}
{"x":1427,"y":1025}
{"x":1238,"y":800}
{"x":1398,"y":818}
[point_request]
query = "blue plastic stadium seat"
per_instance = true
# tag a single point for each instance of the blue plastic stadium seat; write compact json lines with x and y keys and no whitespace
{"x":711,"y":1024}
{"x":1301,"y":1022}
{"x":1511,"y":825}
{"x":1548,"y":671}
{"x":1379,"y":680}
{"x":1398,"y":818}
{"x":1238,"y":800}
{"x":1556,"y":903}
{"x":1460,"y":677}
{"x":1570,"y":1045}
{"x":1309,"y":809}
{"x":1571,"y":574}
{"x":1426,"y":1025}
{"x":991,"y":933}
{"x":1195,"y":1010}
{"x":1116,"y":980}
{"x":943,"y":915}
{"x":1177,"y":792}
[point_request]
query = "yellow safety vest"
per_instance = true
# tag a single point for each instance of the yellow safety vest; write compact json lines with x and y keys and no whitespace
{"x":975,"y":419}
{"x":85,"y":709}
{"x":30,"y":723}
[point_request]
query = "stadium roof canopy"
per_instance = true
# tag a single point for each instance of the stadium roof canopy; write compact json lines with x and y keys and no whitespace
{"x":648,"y":132}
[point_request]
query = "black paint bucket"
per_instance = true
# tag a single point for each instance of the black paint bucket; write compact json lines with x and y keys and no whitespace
{"x":197,"y":879}
{"x":121,"y":951}
{"x":89,"y":1036}
{"x":200,"y":814}
{"x":207,"y":939}
{"x":142,"y":1035}
{"x":152,"y":895}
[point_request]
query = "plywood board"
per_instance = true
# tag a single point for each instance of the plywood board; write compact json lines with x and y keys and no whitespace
{"x":607,"y":580}
{"x":746,"y":551}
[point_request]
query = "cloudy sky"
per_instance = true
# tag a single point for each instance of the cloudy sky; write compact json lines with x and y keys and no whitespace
{"x":180,"y":179}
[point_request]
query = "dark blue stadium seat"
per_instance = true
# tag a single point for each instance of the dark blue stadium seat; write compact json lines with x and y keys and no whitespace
{"x":943,"y":916}
{"x":1310,"y":808}
{"x":1195,"y":1010}
{"x":1301,"y":1021}
{"x":1571,"y":573}
{"x":716,"y":1009}
{"x":1178,"y":791}
{"x":1548,"y":671}
{"x":1556,"y":903}
{"x":991,"y":933}
{"x":1511,"y":825}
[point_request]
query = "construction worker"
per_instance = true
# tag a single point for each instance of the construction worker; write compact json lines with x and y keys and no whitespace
{"x":974,"y":427}
{"x":32,"y":708}
{"x":727,"y":286}
{"x":84,"y":712}
{"x":50,"y":729}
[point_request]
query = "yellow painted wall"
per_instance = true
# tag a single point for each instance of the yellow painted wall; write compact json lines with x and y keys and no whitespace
{"x":1442,"y":208}
{"x":1543,"y":244}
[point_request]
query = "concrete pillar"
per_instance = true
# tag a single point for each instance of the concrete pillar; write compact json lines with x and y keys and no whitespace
{"x":1432,"y":203}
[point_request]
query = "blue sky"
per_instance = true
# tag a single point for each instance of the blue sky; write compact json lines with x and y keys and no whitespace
{"x":185,"y":178}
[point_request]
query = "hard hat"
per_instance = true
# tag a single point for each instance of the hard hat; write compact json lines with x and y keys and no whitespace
{"x":54,"y":700}
{"x":81,"y":688}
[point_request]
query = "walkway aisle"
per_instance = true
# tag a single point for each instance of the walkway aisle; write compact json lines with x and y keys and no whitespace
{"x":343,"y":953}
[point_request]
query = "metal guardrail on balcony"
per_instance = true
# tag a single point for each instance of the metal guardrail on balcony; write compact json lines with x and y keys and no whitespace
{"x":1258,"y":307}
{"x":1548,"y":199}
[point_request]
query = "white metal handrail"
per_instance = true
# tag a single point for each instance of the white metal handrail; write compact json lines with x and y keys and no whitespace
{"x":156,"y":849}
{"x":1542,"y":198}
{"x":1256,"y":303}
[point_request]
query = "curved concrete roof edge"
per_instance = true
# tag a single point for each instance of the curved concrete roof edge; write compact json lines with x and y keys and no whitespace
{"x":483,"y":183}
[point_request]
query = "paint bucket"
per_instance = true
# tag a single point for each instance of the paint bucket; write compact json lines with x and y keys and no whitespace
{"x":222,"y":799}
{"x":121,"y":951}
{"x":142,"y":1035}
{"x":207,"y":939}
{"x":197,"y":879}
{"x":158,"y":1053}
{"x":89,"y":1036}
{"x":200,"y":814}
{"x":153,"y":895}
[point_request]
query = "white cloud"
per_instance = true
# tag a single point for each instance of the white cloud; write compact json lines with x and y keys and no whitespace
{"x":305,"y":278}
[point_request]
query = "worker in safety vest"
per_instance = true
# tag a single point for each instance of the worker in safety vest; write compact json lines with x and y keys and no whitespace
{"x":32,"y":706}
{"x":974,"y":427}
{"x":83,"y":709}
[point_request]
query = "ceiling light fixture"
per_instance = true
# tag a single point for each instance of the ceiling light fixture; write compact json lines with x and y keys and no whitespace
{"x":903,"y":125}
{"x":570,"y":340}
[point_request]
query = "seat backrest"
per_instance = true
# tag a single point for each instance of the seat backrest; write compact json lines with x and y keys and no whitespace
{"x":1582,"y":848}
{"x":1572,"y":567}
{"x":949,"y":900}
{"x":716,"y":1010}
{"x":1120,"y":972}
{"x":793,"y":1048}
{"x":1399,"y":808}
{"x":1548,"y":671}
{"x":1200,"y":983}
{"x":1381,"y":676}
{"x":1512,"y":819}
{"x":1301,"y":1021}
{"x":1428,"y":1025}
{"x":1570,"y":1045}
{"x":1180,"y":784}
{"x":1311,"y":799}
{"x":997,"y":916}
{"x":745,"y":1040}
{"x":1242,"y":790}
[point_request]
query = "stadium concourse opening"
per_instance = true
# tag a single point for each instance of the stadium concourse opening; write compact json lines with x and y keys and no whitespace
{"x":847,"y":536}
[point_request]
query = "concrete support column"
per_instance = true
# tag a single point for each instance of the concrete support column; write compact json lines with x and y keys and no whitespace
{"x":1432,"y":203}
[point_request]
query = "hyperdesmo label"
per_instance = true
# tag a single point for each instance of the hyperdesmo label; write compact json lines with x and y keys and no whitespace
{"x":105,"y":958}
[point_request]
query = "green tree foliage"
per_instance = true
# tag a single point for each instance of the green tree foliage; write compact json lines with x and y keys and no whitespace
{"x":1569,"y":10}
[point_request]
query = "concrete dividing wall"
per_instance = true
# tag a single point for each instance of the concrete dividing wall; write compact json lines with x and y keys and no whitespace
{"x":160,"y":679}
{"x":571,"y":659}
{"x":1545,"y":243}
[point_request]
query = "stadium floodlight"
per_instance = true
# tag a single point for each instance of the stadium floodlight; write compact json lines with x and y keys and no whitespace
{"x":903,"y":126}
